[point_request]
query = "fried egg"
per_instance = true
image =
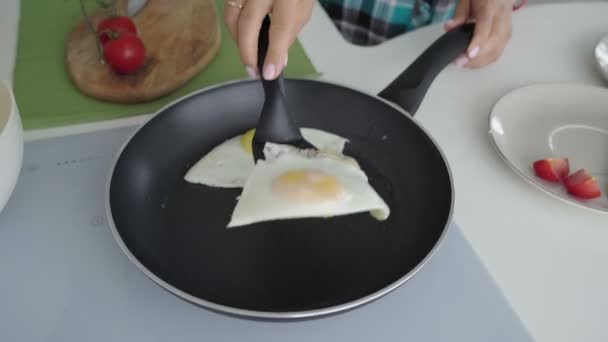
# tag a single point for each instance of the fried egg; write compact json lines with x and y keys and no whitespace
{"x":229,"y":164}
{"x":291,"y":183}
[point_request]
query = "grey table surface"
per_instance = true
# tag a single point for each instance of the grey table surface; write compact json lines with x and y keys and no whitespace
{"x":63,"y":277}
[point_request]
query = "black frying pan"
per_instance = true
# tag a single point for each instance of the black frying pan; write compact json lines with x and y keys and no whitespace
{"x":175,"y":232}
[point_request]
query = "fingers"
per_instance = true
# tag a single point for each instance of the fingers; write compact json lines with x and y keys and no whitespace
{"x":231,"y":17}
{"x":244,"y":23}
{"x":288,"y":18}
{"x":461,"y":15}
{"x":492,"y":30}
{"x":484,"y":17}
{"x":249,"y":24}
{"x":496,"y":41}
{"x":283,"y":30}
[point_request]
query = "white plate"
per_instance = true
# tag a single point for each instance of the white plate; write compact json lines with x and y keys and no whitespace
{"x":555,"y":120}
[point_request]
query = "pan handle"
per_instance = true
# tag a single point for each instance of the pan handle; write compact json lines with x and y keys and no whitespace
{"x":410,"y":87}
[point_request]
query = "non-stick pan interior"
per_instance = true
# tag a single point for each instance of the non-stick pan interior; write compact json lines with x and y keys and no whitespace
{"x":177,"y":230}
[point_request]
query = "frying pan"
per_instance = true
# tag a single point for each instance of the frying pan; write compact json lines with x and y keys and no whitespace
{"x":175,"y":232}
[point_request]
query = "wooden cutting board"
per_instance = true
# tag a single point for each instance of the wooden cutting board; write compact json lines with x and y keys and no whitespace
{"x":181,"y":38}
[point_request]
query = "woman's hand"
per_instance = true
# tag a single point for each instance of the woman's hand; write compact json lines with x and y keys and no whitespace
{"x":492,"y":29}
{"x":244,"y":20}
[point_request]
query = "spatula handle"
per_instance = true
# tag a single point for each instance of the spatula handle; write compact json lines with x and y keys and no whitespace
{"x":276,"y":123}
{"x":263,"y":43}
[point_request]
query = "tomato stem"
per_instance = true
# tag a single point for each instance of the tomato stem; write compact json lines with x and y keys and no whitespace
{"x":93,"y":31}
{"x":109,"y":6}
{"x":111,"y":34}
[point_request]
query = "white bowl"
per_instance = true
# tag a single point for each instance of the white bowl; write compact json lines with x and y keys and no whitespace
{"x":11,"y":143}
{"x":601,"y":56}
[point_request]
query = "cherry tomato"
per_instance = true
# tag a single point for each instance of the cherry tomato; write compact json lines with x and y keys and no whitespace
{"x":125,"y":54}
{"x":114,"y":27}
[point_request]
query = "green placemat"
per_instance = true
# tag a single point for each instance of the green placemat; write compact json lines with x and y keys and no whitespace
{"x":47,"y":98}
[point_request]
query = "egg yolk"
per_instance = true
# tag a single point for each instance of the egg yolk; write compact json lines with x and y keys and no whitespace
{"x":307,"y":186}
{"x":247,"y":140}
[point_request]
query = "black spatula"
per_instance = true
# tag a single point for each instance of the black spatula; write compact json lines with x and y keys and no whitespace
{"x":276,"y":124}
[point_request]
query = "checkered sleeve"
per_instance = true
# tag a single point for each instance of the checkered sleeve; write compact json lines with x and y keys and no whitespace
{"x":370,"y":22}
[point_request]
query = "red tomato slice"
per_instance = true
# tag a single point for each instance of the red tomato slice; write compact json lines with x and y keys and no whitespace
{"x":114,"y":28}
{"x":581,"y":184}
{"x":552,"y":169}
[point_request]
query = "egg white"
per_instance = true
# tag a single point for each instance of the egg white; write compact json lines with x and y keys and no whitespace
{"x":258,"y":202}
{"x":228,"y":165}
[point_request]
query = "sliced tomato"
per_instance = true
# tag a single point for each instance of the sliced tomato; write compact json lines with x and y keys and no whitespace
{"x":582,"y":184}
{"x":552,"y":169}
{"x":578,"y":177}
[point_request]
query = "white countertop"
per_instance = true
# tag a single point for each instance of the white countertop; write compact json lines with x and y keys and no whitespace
{"x":548,"y":258}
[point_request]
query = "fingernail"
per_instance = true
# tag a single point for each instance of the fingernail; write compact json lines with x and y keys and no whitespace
{"x":449,"y":23}
{"x":461,"y":61}
{"x":286,"y":59}
{"x":474,"y":52}
{"x":251,"y":72}
{"x":269,"y":71}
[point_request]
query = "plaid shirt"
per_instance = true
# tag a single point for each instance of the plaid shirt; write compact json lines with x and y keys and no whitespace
{"x":370,"y":22}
